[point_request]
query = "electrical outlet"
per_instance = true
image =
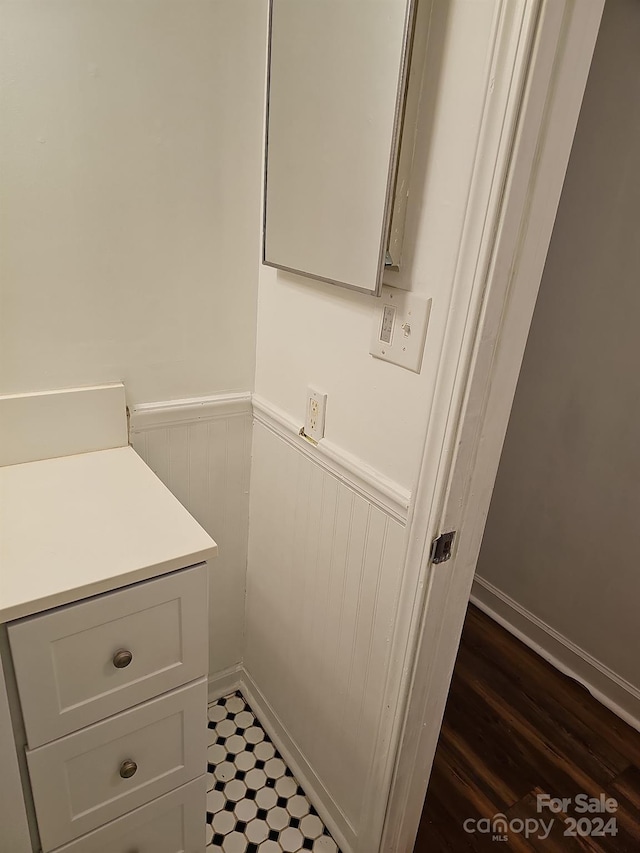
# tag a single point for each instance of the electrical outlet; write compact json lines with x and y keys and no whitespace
{"x":315,"y":414}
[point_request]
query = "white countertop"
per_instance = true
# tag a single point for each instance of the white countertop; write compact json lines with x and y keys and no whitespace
{"x":79,"y":525}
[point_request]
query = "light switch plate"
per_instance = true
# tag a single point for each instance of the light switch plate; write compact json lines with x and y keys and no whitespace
{"x":400,"y":328}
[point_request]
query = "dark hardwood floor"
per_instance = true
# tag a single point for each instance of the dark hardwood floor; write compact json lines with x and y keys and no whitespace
{"x":516,"y":728}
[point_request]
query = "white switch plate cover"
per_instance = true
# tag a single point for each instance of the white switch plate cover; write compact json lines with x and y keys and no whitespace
{"x":399,"y":329}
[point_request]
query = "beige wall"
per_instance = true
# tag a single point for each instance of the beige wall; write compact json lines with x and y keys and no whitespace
{"x":130,"y":157}
{"x":562,"y":536}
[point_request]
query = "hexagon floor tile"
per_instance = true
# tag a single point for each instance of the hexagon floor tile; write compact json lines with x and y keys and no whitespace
{"x":255,"y":804}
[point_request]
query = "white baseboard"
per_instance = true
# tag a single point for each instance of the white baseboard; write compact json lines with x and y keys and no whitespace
{"x":237,"y":678}
{"x":333,"y":818}
{"x":612,"y":691}
{"x":225,"y":682}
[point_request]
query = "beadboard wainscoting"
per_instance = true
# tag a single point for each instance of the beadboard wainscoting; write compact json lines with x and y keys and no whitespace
{"x":326,"y":554}
{"x":201,"y":449}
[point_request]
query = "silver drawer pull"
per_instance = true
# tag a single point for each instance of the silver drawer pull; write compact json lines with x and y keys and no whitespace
{"x":122,"y":658}
{"x":128,"y":769}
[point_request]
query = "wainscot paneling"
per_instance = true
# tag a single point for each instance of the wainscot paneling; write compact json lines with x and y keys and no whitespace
{"x":326,"y":554}
{"x":201,"y":449}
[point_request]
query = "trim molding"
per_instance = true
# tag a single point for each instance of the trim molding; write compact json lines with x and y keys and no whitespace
{"x":320,"y":798}
{"x":146,"y":416}
{"x":390,"y":497}
{"x":487,"y":328}
{"x":605,"y":685}
{"x":224,"y":682}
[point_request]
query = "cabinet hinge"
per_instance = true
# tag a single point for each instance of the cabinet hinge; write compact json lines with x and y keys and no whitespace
{"x":442,"y":547}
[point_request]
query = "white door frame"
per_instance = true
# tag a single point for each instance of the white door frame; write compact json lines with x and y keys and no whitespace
{"x":454,"y":493}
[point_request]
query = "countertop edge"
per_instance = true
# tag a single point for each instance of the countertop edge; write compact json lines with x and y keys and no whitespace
{"x":107,"y":584}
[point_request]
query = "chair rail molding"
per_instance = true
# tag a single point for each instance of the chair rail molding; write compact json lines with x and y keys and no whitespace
{"x":146,"y":416}
{"x":389,"y":496}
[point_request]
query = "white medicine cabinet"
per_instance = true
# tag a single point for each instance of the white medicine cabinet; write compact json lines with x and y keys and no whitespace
{"x":338,"y":98}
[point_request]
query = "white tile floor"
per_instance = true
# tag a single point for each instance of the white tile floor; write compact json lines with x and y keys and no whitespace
{"x":255,"y":804}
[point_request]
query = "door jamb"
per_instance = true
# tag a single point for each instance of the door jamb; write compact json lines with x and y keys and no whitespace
{"x":485,"y":386}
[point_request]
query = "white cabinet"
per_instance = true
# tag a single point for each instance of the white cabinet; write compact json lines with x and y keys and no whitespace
{"x":113,"y":694}
{"x":88,"y":778}
{"x":171,"y":824}
{"x":104,"y":630}
{"x":84,"y":662}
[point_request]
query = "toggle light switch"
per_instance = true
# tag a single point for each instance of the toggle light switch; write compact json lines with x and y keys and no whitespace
{"x":400,"y":328}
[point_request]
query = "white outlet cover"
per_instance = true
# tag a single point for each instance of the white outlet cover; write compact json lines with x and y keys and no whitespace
{"x":399,"y":331}
{"x":314,"y":424}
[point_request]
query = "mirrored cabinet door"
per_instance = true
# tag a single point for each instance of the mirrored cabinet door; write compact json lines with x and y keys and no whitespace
{"x":337,"y":80}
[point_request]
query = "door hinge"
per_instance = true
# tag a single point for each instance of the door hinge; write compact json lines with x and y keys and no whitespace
{"x":442,"y":547}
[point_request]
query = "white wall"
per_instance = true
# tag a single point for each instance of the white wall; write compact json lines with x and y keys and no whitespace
{"x":315,"y":334}
{"x":352,"y":596}
{"x":561,"y":549}
{"x":130,"y":150}
{"x":130,"y":175}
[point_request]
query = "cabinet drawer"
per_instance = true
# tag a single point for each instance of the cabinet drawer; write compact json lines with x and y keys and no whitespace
{"x":174,"y":823}
{"x":67,"y":662}
{"x":77,"y":781}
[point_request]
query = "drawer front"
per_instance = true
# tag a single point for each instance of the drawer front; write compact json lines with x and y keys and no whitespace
{"x":81,"y":781}
{"x":174,"y":823}
{"x":84,"y":662}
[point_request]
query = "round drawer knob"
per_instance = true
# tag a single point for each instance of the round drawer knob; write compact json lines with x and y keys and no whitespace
{"x":122,"y":658}
{"x":128,"y":769}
